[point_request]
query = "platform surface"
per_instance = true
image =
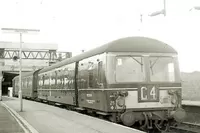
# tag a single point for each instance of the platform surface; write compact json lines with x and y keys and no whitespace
{"x":8,"y":124}
{"x":191,"y":103}
{"x":49,"y":119}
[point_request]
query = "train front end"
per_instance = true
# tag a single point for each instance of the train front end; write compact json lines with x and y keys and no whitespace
{"x":145,"y":89}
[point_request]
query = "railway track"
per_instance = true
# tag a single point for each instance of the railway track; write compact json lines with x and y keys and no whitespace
{"x":186,"y":127}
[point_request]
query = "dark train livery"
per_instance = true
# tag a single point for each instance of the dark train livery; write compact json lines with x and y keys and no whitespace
{"x":133,"y":80}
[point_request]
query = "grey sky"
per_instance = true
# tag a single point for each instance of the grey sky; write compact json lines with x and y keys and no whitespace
{"x":78,"y":24}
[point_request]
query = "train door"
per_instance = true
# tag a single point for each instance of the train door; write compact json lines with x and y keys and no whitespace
{"x":90,"y":82}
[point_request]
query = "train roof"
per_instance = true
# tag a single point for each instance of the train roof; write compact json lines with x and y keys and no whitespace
{"x":25,"y":74}
{"x":128,"y":44}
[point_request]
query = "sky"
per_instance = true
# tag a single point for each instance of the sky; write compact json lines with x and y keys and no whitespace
{"x":77,"y":25}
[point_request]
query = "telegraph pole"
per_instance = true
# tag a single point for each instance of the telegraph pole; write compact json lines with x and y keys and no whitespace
{"x":20,"y":31}
{"x":1,"y":77}
{"x":164,"y":9}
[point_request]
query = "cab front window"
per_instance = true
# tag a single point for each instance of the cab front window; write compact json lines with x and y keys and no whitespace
{"x":162,"y":69}
{"x":130,"y":69}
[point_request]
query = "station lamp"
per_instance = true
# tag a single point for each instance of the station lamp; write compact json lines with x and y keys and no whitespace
{"x":15,"y":58}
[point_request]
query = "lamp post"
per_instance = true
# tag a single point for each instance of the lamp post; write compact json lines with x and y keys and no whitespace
{"x":164,"y":3}
{"x":20,"y":31}
{"x":1,"y":77}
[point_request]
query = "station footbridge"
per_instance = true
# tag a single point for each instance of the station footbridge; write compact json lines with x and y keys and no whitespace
{"x":34,"y":56}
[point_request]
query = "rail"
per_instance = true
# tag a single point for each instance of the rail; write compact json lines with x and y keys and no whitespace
{"x":185,"y":127}
{"x":192,"y":121}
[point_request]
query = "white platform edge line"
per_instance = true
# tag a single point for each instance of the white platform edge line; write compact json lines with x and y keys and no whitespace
{"x":26,"y":131}
{"x":190,"y":104}
{"x":22,"y":119}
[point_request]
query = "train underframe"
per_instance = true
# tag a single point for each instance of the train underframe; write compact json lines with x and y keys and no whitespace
{"x":159,"y":120}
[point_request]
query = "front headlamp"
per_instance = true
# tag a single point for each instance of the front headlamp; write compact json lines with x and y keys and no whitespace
{"x":120,"y":101}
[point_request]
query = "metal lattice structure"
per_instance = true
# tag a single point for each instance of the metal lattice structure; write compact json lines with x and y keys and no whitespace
{"x":34,"y":56}
{"x":51,"y":55}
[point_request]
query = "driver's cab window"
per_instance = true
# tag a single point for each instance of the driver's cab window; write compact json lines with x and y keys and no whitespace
{"x":130,"y":69}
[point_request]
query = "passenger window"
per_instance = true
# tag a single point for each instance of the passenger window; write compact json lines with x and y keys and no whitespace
{"x":83,"y":75}
{"x":53,"y":80}
{"x":41,"y":84}
{"x":28,"y":80}
{"x":90,"y":74}
{"x":59,"y":79}
{"x":43,"y":80}
{"x":68,"y":77}
{"x":47,"y":81}
{"x":30,"y":83}
{"x":100,"y":74}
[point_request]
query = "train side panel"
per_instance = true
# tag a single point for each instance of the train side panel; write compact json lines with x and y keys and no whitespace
{"x":27,"y":90}
{"x":58,"y":85}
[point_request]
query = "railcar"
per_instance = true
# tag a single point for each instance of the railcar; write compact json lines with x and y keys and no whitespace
{"x":29,"y":85}
{"x":133,"y":80}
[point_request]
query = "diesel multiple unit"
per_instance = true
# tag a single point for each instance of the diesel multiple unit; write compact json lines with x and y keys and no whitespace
{"x":133,"y":80}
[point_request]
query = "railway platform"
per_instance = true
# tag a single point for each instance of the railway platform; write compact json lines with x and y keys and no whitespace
{"x":191,"y":103}
{"x":42,"y":118}
{"x":193,"y":111}
{"x":8,"y":122}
